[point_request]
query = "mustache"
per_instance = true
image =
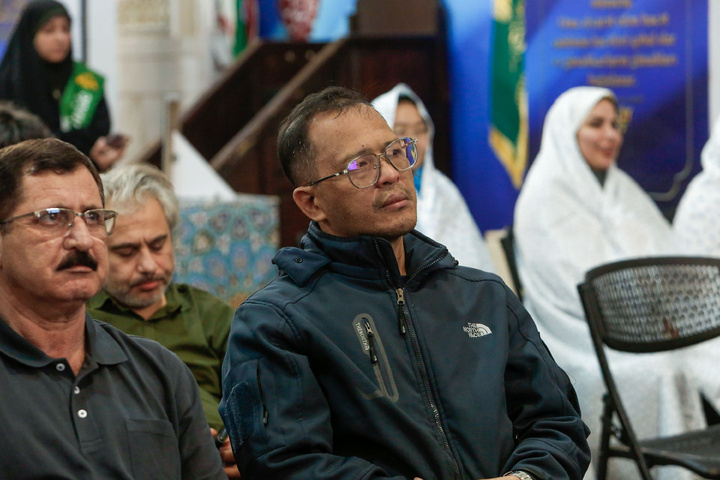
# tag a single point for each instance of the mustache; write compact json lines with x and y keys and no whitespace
{"x":78,"y":258}
{"x":380,"y":201}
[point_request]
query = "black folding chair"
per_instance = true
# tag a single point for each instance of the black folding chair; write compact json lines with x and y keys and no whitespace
{"x":652,"y":305}
{"x":508,"y":246}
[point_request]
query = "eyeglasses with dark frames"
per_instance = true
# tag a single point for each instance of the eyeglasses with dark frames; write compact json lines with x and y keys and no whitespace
{"x":100,"y":222}
{"x":364,"y":171}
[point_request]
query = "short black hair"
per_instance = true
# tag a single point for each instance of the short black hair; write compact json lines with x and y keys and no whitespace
{"x":18,"y":125}
{"x":32,"y":157}
{"x":293,"y":146}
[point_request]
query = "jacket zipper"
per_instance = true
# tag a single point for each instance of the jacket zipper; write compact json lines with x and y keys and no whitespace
{"x":403,"y":318}
{"x":406,"y":325}
{"x":401,"y":310}
{"x":371,"y":342}
{"x":262,"y":398}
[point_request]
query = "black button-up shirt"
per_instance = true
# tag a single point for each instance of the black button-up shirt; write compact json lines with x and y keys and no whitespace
{"x":132,"y":412}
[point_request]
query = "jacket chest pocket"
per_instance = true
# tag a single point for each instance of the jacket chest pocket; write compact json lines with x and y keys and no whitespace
{"x":372,"y":347}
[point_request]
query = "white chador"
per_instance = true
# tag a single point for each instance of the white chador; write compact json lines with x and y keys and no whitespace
{"x":697,"y":229}
{"x":566,"y":223}
{"x":697,"y":220}
{"x":442,"y":212}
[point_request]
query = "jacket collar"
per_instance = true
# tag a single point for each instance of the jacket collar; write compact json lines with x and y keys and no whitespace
{"x":363,"y":257}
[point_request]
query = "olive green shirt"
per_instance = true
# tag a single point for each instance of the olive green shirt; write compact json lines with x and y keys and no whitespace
{"x":194,"y":324}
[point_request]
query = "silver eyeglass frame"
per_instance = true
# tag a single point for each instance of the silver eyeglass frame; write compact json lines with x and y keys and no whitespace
{"x":108,"y":223}
{"x":411,"y":142}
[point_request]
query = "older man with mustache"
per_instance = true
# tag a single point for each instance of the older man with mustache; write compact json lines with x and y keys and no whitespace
{"x":139,"y":296}
{"x":374,"y":355}
{"x":79,"y":398}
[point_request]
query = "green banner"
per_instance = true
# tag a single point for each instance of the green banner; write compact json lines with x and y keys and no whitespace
{"x":80,"y":98}
{"x":508,"y":97}
{"x":240,"y":28}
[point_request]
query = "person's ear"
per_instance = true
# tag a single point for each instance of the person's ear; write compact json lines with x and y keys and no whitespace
{"x":306,"y":200}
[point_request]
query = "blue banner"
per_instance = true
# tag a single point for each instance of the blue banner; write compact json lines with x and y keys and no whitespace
{"x":653,"y":54}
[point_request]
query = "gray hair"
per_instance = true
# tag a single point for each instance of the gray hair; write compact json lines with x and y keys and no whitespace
{"x":129,"y":185}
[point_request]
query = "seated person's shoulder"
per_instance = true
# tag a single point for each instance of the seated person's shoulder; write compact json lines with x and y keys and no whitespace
{"x":137,"y":349}
{"x":477,"y":275}
{"x":485,"y":284}
{"x":202,"y":299}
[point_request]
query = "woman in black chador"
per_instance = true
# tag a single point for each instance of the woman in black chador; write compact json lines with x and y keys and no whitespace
{"x":38,"y":73}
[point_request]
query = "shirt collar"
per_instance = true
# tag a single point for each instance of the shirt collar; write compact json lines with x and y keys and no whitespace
{"x":176,"y":302}
{"x":102,"y":347}
{"x":13,"y":345}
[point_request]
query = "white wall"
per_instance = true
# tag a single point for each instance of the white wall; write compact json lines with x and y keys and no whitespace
{"x":102,"y":46}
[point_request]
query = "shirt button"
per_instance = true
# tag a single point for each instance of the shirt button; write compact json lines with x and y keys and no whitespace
{"x":82,"y":413}
{"x":60,"y":367}
{"x":76,"y":390}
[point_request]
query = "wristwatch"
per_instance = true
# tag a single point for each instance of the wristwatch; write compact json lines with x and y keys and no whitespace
{"x":520,"y":474}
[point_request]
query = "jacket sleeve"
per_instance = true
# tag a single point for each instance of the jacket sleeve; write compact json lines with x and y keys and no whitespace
{"x":550,"y":436}
{"x":276,"y":413}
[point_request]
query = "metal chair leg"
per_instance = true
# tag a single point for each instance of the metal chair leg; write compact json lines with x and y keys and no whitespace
{"x":605,"y":438}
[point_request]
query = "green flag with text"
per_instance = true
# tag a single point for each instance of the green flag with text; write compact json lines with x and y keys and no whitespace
{"x":508,"y":97}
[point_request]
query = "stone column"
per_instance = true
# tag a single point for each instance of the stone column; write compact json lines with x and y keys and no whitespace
{"x":163,"y":50}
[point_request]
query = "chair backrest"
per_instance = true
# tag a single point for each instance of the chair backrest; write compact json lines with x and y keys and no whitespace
{"x":493,"y":240}
{"x":653,"y":304}
{"x":648,"y":305}
{"x":508,"y":245}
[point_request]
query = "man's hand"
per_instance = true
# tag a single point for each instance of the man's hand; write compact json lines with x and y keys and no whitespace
{"x":226,"y":454}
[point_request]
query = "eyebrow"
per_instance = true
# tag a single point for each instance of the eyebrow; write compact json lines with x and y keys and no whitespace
{"x":364,"y":151}
{"x":62,"y":205}
{"x":592,"y":118}
{"x":120,"y":246}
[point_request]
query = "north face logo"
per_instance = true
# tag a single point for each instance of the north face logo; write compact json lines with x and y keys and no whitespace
{"x":475,"y":330}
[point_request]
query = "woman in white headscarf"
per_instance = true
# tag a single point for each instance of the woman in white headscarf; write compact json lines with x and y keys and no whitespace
{"x":696,"y":221}
{"x":697,"y":230}
{"x":443,"y":214}
{"x":578,"y":210}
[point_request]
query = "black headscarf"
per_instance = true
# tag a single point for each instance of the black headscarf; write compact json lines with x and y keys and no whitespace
{"x":25,"y":78}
